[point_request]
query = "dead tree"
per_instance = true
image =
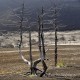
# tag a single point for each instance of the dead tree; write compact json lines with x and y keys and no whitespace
{"x":55,"y":29}
{"x":42,"y":34}
{"x":56,"y":25}
{"x":31,"y":63}
{"x":41,"y":43}
{"x":21,"y":39}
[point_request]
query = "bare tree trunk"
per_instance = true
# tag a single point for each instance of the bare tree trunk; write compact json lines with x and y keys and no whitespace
{"x":31,"y":60}
{"x":56,"y":47}
{"x":21,"y":24}
{"x":42,"y":35}
{"x":55,"y":26}
{"x":41,"y":44}
{"x":39,"y":36}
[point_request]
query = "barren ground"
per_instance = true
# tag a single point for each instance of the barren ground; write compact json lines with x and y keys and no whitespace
{"x":13,"y":68}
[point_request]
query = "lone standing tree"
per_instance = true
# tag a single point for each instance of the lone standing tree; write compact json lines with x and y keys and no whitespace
{"x":55,"y":29}
{"x":54,"y":12}
{"x":56,"y":26}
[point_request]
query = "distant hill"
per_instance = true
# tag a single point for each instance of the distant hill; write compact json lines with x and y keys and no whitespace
{"x":69,"y":15}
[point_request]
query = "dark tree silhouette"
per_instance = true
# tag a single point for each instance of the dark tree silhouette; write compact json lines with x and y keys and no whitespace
{"x":55,"y":29}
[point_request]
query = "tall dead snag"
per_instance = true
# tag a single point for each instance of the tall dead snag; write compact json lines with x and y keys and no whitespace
{"x":55,"y":29}
{"x":21,"y":24}
{"x":55,"y":13}
{"x":43,"y":47}
{"x":31,"y":63}
{"x":41,"y":43}
{"x":56,"y":26}
{"x":42,"y":35}
{"x":21,"y":35}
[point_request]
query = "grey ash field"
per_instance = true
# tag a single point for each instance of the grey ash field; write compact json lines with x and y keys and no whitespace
{"x":13,"y":68}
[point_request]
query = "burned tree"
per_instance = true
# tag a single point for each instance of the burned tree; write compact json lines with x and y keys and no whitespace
{"x":42,"y":34}
{"x":53,"y":14}
{"x":21,"y":35}
{"x":55,"y":29}
{"x":41,"y":43}
{"x":31,"y":63}
{"x":56,"y":26}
